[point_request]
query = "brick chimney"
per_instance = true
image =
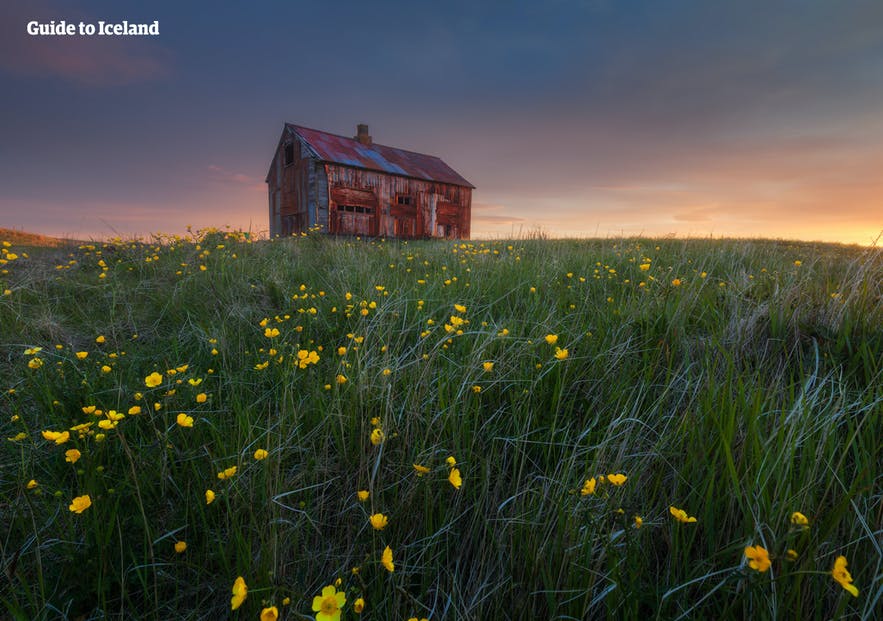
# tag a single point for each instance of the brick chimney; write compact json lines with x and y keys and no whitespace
{"x":362,"y":134}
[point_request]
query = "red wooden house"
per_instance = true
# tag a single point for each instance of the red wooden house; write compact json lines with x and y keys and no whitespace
{"x":352,"y":186}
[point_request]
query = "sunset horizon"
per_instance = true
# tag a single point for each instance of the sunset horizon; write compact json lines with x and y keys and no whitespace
{"x":575,"y":120}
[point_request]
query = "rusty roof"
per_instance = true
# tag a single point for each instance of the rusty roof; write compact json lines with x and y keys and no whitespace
{"x":350,"y":152}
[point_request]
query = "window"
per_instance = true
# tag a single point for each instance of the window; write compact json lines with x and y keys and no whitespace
{"x":355,"y":209}
{"x":289,"y":153}
{"x":404,"y":199}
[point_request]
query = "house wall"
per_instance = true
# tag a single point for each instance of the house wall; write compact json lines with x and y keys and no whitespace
{"x":437,"y":209}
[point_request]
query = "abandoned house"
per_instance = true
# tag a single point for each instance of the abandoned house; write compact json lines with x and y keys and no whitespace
{"x":352,"y":186}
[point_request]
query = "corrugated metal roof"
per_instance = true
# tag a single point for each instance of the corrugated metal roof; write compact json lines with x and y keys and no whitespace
{"x":350,"y":152}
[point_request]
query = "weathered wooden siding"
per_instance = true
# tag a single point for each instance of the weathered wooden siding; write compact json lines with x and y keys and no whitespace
{"x":436,"y":209}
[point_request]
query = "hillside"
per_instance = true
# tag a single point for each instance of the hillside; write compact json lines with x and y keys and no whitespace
{"x":523,"y":429}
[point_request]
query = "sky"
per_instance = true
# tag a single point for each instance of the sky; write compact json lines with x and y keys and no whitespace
{"x":574,"y":118}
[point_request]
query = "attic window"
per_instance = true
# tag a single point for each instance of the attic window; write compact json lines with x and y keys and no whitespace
{"x":404,"y":199}
{"x":289,"y":153}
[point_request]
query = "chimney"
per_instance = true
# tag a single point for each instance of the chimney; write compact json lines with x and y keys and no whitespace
{"x":362,"y":136}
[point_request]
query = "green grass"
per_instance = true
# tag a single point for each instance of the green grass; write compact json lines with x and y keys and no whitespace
{"x":751,"y":390}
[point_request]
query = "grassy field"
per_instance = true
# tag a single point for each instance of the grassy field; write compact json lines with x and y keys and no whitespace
{"x":547,"y":429}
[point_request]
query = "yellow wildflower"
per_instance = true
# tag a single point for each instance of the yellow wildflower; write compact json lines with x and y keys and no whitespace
{"x":798,"y":519}
{"x":454,"y":478}
{"x":32,"y":484}
{"x":80,"y":504}
{"x":184,"y":421}
{"x":759,"y":558}
{"x":377,"y":436}
{"x":153,"y":380}
{"x":260,"y":454}
{"x":270,"y":614}
{"x":100,"y":338}
{"x":378,"y":521}
{"x":421,"y":470}
{"x":676,"y":282}
{"x":228,"y":473}
{"x":271,"y":333}
{"x":459,"y":308}
{"x":180,"y":547}
{"x":842,"y":576}
{"x":362,"y":495}
{"x":201,"y":397}
{"x":386,"y":560}
{"x":487,"y":366}
{"x":639,"y":521}
{"x":341,"y":379}
{"x":329,"y":604}
{"x":359,"y":606}
{"x":72,"y":455}
{"x":451,"y":461}
{"x":81,"y":355}
{"x":209,"y":496}
{"x":680,"y":515}
{"x":551,"y":339}
{"x":240,"y":592}
{"x":59,"y":437}
{"x":616,"y":479}
{"x":134,"y":410}
{"x":561,"y":354}
{"x":35,"y":363}
{"x":589,"y":487}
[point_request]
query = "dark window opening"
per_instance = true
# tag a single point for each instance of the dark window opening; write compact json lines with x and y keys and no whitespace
{"x":404,"y":199}
{"x":289,"y":153}
{"x":355,"y":208}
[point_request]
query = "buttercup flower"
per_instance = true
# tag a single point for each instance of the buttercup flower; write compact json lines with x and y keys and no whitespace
{"x":589,"y":487}
{"x":271,"y":333}
{"x":80,"y":504}
{"x":209,"y":496}
{"x":260,"y":454}
{"x":329,"y":604}
{"x":680,"y":515}
{"x":270,"y":614}
{"x":842,"y":576}
{"x":185,"y":421}
{"x":421,"y":470}
{"x":153,"y":380}
{"x":561,"y":354}
{"x":639,"y":521}
{"x":759,"y":558}
{"x":180,"y":547}
{"x":72,"y":455}
{"x":798,"y":519}
{"x":616,"y":479}
{"x":378,"y":521}
{"x":240,"y":592}
{"x":455,"y":479}
{"x":551,"y":339}
{"x":82,"y":355}
{"x":226,"y":474}
{"x":32,"y":484}
{"x":362,"y":495}
{"x":386,"y":560}
{"x":487,"y":366}
{"x":377,"y":436}
{"x":201,"y":397}
{"x":359,"y":606}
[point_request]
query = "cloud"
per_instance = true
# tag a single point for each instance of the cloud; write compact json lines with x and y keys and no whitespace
{"x":487,"y":213}
{"x":93,"y":61}
{"x":222,"y":175}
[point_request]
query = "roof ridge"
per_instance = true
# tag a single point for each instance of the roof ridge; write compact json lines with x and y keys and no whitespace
{"x":386,"y":146}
